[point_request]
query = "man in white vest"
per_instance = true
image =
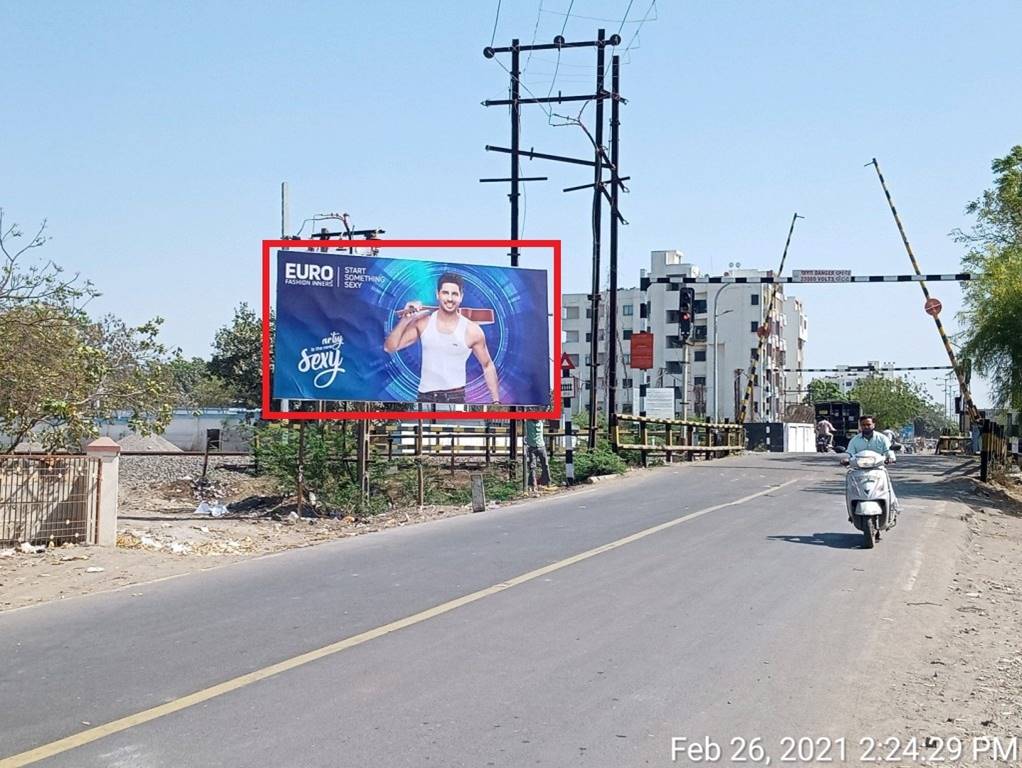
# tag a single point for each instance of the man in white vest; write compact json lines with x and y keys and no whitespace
{"x":447,"y":339}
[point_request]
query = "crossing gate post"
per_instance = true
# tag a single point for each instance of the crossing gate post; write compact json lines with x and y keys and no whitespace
{"x":569,"y":435}
{"x":984,"y":452}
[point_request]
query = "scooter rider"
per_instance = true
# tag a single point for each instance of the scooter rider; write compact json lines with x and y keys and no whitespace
{"x":870,"y":440}
{"x":825,"y":432}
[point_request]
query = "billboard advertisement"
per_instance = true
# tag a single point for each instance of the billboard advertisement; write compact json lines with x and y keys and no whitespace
{"x":367,"y":328}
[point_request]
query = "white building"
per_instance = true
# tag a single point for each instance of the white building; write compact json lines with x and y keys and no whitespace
{"x":709,"y":375}
{"x":847,"y":376}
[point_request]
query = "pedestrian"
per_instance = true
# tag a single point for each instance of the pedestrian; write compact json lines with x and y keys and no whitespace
{"x":535,"y":453}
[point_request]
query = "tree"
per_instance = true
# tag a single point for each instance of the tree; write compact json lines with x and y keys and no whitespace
{"x":821,"y":391}
{"x":64,"y":377}
{"x":933,"y":422}
{"x":60,"y":372}
{"x":196,"y":387}
{"x":237,"y":356}
{"x":892,"y":402}
{"x":992,"y":315}
{"x":37,"y":286}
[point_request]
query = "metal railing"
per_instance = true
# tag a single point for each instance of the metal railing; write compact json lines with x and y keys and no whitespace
{"x":480,"y":441}
{"x":49,"y":499}
{"x":673,"y":436}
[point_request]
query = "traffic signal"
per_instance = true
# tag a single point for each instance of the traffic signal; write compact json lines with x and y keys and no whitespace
{"x":686,"y":308}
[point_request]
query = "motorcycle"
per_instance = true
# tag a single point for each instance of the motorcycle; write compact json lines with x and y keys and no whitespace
{"x":825,"y":444}
{"x":868,"y":495}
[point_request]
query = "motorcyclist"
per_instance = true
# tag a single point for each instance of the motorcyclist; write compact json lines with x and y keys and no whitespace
{"x":825,"y":432}
{"x":870,"y":440}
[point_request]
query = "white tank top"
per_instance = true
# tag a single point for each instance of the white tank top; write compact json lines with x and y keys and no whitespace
{"x":443,"y":356}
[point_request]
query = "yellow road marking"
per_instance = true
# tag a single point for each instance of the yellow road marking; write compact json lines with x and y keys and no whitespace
{"x":115,"y":726}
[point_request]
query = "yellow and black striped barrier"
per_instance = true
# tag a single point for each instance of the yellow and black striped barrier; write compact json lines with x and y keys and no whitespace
{"x":672,"y":436}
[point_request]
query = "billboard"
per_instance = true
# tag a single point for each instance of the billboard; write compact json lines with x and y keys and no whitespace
{"x":367,"y":328}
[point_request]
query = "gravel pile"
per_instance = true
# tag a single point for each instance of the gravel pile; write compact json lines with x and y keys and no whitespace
{"x":145,"y":474}
{"x":133,"y":442}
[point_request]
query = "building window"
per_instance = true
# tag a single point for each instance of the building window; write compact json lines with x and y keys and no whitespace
{"x":589,"y":360}
{"x":589,"y":338}
{"x":672,"y":316}
{"x":674,"y":342}
{"x":755,"y":299}
{"x":699,"y":306}
{"x":674,"y":366}
{"x":700,"y":356}
{"x":571,"y":336}
{"x":627,"y":310}
{"x":699,"y":381}
{"x":699,"y":333}
{"x":571,"y":313}
{"x":627,"y":383}
{"x":679,"y":393}
{"x":603,"y":335}
{"x":627,"y":335}
{"x":589,"y":313}
{"x":753,"y":326}
{"x":627,"y":359}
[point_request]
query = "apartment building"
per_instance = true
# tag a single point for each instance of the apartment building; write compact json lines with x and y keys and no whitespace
{"x":709,"y":375}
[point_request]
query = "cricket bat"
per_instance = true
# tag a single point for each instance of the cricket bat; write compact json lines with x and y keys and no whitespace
{"x":476,"y":315}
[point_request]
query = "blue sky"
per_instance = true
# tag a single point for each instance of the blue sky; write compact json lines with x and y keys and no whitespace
{"x":154,"y":137}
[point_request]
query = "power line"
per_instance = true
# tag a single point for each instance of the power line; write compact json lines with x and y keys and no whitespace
{"x":638,"y":29}
{"x":587,"y":18}
{"x":558,"y":66}
{"x":535,"y":31}
{"x":495,"y":20}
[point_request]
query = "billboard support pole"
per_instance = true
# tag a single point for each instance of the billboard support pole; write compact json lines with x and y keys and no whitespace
{"x":363,"y":464}
{"x":516,"y":119}
{"x":300,"y":481}
{"x":285,"y":405}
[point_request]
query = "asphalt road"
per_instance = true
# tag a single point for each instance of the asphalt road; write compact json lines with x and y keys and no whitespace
{"x":750,"y":612}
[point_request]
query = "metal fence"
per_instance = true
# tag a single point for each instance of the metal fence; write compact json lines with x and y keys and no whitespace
{"x":50,"y":499}
{"x":486,"y":441}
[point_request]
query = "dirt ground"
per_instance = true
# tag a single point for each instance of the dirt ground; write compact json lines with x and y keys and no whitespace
{"x":964,"y":679}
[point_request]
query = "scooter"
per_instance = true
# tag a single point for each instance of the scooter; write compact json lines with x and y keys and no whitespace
{"x":868,"y":495}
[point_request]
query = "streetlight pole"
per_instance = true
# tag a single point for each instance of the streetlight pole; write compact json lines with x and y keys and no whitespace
{"x":716,"y":314}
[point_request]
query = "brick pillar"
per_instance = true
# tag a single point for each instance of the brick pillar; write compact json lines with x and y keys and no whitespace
{"x":109,"y":454}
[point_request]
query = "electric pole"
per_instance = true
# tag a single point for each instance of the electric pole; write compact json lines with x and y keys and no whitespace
{"x":600,"y":191}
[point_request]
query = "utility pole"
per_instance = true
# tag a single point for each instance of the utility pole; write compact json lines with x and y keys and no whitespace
{"x":594,"y":297}
{"x":600,"y":160}
{"x":615,"y":141}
